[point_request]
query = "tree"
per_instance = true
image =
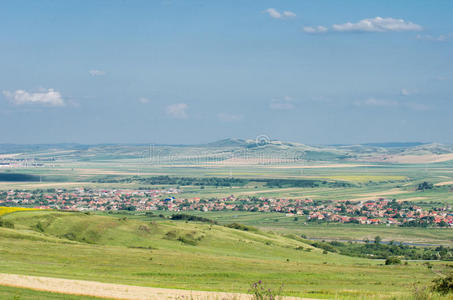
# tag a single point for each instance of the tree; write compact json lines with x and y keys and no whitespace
{"x":377,"y":239}
{"x":425,"y":186}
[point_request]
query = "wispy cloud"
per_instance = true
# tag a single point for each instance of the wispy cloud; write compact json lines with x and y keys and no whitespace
{"x":177,"y":111}
{"x":432,"y":38}
{"x":284,"y":103}
{"x":404,"y":92}
{"x":408,"y":92}
{"x":229,"y":117}
{"x":377,"y":24}
{"x":418,"y":106}
{"x":48,"y":97}
{"x":143,"y":100}
{"x":385,"y":103}
{"x":96,"y":72}
{"x":275,"y":14}
{"x":377,"y":103}
{"x":316,"y":29}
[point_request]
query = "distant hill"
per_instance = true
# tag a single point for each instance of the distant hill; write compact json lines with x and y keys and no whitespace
{"x":233,"y":150}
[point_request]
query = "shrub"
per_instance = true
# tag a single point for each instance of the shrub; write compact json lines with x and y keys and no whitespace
{"x":39,"y":227}
{"x":241,"y":227}
{"x":6,"y":224}
{"x":443,"y":285}
{"x":392,"y":260}
{"x":187,"y":240}
{"x":260,"y":292}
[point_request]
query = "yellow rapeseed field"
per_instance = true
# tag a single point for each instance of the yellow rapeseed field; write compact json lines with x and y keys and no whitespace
{"x":7,"y":210}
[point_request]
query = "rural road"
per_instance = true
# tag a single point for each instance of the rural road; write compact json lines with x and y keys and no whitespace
{"x":112,"y":291}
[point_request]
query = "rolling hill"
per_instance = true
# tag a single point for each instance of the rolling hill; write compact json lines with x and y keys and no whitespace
{"x":160,"y":252}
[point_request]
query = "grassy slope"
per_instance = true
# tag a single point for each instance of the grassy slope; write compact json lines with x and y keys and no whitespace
{"x":280,"y":223}
{"x":13,"y":293}
{"x":224,"y":259}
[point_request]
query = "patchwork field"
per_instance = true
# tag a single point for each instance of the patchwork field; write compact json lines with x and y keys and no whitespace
{"x":132,"y":248}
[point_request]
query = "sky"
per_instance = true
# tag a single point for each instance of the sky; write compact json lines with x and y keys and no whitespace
{"x":188,"y":72}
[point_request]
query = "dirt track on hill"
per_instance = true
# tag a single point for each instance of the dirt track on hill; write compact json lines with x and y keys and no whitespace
{"x":112,"y":291}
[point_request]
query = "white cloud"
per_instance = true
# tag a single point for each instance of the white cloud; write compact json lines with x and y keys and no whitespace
{"x":229,"y":117}
{"x":376,"y":24}
{"x":317,"y":29}
{"x":177,"y":111}
{"x":377,"y":103}
{"x":440,"y":38}
{"x":143,"y":100}
{"x":46,"y":97}
{"x":404,"y":92}
{"x":289,"y":14}
{"x":273,"y":13}
{"x":282,"y":104}
{"x":96,"y":73}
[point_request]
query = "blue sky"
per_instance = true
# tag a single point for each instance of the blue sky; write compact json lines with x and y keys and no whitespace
{"x":315,"y":72}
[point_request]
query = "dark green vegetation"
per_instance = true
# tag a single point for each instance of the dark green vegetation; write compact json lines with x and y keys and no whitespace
{"x":17,"y":177}
{"x":152,"y":251}
{"x":379,"y":250}
{"x":220,"y":181}
{"x":187,"y":217}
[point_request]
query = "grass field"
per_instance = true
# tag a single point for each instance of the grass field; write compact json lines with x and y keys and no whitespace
{"x":12,"y":293}
{"x":191,"y":255}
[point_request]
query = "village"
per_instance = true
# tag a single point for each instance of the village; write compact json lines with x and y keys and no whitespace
{"x":372,"y":212}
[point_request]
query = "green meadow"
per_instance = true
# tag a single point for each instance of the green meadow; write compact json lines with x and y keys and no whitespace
{"x":193,"y":255}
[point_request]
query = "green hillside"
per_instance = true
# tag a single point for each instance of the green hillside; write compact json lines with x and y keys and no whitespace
{"x":191,"y":255}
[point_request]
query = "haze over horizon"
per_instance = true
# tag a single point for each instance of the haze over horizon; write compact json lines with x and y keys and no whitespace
{"x":191,"y":72}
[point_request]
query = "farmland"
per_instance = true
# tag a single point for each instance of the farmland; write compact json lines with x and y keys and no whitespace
{"x":126,"y":196}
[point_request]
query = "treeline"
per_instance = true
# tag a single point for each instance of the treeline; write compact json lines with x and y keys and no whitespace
{"x":302,"y":183}
{"x":378,"y":250}
{"x":17,"y":177}
{"x":181,"y":181}
{"x":220,"y":181}
{"x":187,"y":217}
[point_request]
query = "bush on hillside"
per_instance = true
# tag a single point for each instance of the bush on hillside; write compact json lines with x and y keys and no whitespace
{"x":6,"y":224}
{"x":443,"y":285}
{"x":192,"y":218}
{"x":392,"y":260}
{"x":241,"y":227}
{"x":425,"y":186}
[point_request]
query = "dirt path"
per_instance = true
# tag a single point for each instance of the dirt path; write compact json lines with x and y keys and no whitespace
{"x":444,"y":183}
{"x":112,"y":291}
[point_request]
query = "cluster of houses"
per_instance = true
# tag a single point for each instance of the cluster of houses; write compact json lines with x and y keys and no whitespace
{"x":87,"y":199}
{"x":381,"y":211}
